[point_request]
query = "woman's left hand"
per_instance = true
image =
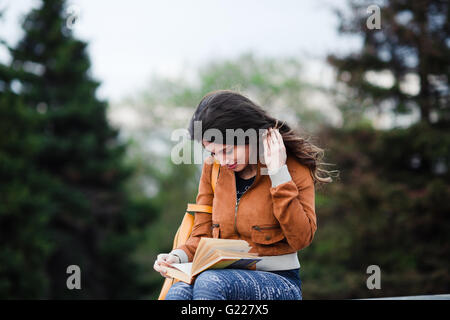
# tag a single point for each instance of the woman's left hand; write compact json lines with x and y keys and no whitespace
{"x":274,"y":150}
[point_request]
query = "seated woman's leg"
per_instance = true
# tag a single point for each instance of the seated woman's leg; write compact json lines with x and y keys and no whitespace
{"x":234,"y":284}
{"x":180,"y":291}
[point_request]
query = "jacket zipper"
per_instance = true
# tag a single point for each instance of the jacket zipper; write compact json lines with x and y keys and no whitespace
{"x":236,"y":207}
{"x":235,"y":215}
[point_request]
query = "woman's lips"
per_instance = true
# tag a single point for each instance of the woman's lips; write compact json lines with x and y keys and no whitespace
{"x":232,"y":167}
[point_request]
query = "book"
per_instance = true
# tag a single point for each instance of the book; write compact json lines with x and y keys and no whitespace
{"x":214,"y":253}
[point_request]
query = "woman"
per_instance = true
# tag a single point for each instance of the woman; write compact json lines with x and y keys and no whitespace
{"x":268,"y":202}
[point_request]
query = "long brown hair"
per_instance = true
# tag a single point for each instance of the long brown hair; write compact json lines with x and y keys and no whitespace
{"x":227,"y":109}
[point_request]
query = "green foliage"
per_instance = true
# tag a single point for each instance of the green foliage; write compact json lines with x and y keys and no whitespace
{"x":65,"y":179}
{"x":25,"y":209}
{"x":277,"y":84}
{"x":387,"y":209}
{"x":411,"y":48}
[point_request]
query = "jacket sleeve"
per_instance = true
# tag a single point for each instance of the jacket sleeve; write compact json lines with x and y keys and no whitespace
{"x":202,"y":221}
{"x":294,"y":204}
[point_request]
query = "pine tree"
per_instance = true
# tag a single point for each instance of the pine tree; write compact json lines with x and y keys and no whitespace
{"x":413,"y":42}
{"x":95,"y":222}
{"x":390,"y":209}
{"x":25,"y":209}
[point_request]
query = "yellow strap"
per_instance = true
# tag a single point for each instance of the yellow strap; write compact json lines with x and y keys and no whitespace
{"x":215,"y":174}
{"x":193,"y":207}
{"x":185,"y":228}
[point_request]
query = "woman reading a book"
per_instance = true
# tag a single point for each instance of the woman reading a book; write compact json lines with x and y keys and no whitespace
{"x":264,"y":195}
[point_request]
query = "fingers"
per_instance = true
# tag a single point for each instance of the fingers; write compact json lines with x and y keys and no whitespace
{"x":280,"y":140}
{"x":266,"y":143}
{"x":271,"y":137}
{"x":168,"y":259}
{"x":157,"y":266}
{"x":163,"y":260}
{"x":271,"y":140}
{"x":162,"y":257}
{"x":164,"y":272}
{"x":275,"y":133}
{"x":278,"y":136}
{"x":161,"y":269}
{"x":172,"y":259}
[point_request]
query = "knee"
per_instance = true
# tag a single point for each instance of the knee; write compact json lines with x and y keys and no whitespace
{"x":179,"y":291}
{"x":210,"y":284}
{"x":210,"y":277}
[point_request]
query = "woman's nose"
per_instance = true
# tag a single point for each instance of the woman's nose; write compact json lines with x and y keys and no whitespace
{"x":225,"y":161}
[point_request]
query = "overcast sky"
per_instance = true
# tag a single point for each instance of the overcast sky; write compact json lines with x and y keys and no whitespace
{"x":131,"y":40}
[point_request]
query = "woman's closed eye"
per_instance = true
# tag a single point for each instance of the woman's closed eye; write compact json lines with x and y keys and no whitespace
{"x":230,"y":151}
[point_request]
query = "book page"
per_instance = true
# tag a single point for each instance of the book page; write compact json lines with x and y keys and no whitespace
{"x":225,"y":253}
{"x":199,"y":253}
{"x":184,"y":267}
{"x":224,"y":262}
{"x":207,"y":246}
{"x":219,"y":255}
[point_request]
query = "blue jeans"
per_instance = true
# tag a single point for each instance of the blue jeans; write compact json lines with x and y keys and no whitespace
{"x":240,"y":284}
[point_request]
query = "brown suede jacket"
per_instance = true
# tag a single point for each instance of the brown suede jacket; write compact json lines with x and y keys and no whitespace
{"x":276,"y":215}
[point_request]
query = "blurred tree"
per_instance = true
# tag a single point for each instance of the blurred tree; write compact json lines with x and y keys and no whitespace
{"x":275,"y":84}
{"x":95,"y":220}
{"x":390,"y":208}
{"x":25,"y":194}
{"x":402,"y":67}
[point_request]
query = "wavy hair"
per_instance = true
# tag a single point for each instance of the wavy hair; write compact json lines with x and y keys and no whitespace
{"x":227,"y":109}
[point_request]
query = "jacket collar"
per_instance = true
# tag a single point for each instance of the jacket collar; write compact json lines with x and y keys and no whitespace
{"x":259,"y":168}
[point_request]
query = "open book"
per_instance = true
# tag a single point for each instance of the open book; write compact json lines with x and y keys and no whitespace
{"x":214,"y":253}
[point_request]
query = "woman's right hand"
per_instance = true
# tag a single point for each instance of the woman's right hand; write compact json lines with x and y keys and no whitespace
{"x":163,"y":261}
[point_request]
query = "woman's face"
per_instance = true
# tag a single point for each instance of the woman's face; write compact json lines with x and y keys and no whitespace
{"x":236,"y":158}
